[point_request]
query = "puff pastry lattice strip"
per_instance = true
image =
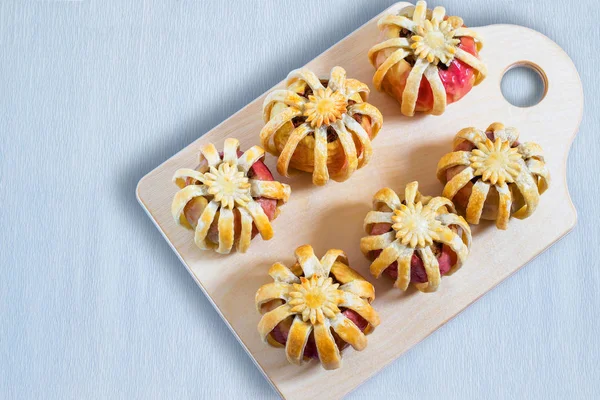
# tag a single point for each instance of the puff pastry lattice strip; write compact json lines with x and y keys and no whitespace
{"x":423,"y":41}
{"x":323,"y":127}
{"x":314,"y":293}
{"x":417,"y":224}
{"x":493,"y":174}
{"x":225,"y":193}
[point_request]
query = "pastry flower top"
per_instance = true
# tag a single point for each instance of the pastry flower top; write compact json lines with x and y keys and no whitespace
{"x":415,"y":227}
{"x":323,"y":127}
{"x":430,"y":42}
{"x":493,"y":176}
{"x":317,"y":294}
{"x":223,"y":190}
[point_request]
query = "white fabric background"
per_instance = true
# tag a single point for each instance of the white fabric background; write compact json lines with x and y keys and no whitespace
{"x":94,"y":304}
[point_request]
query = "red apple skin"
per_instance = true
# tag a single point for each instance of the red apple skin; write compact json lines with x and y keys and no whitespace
{"x":446,"y":258}
{"x":280,"y":332}
{"x":461,"y":198}
{"x":458,"y":78}
{"x":258,"y":171}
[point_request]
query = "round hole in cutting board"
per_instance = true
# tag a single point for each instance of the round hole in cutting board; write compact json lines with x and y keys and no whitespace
{"x":524,"y":84}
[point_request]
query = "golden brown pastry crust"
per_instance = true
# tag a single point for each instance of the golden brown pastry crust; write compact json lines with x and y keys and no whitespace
{"x":433,"y":40}
{"x":516,"y":173}
{"x":306,"y":147}
{"x":417,"y":223}
{"x":312,"y":292}
{"x":221,"y":187}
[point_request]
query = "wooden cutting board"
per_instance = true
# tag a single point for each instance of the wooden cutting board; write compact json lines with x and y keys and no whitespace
{"x":327,"y":217}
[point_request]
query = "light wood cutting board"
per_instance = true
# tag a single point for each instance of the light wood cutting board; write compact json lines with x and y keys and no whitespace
{"x":327,"y":217}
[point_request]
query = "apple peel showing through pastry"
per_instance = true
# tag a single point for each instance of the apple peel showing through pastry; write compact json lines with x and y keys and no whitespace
{"x":316,"y":308}
{"x":418,"y":233}
{"x":229,"y":198}
{"x":491,"y":175}
{"x":426,"y":43}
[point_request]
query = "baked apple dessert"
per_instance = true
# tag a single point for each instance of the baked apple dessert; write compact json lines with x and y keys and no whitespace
{"x":420,"y":42}
{"x":229,"y":198}
{"x":316,"y":308}
{"x":320,"y":126}
{"x":491,"y":175}
{"x":417,"y":239}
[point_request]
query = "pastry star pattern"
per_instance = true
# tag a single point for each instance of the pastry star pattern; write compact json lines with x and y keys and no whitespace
{"x":224,"y":191}
{"x":311,"y":297}
{"x":432,"y":40}
{"x":515,"y":171}
{"x":329,"y":142}
{"x":417,"y":222}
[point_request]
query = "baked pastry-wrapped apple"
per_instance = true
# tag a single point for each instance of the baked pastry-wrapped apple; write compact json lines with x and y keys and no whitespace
{"x":491,"y":175}
{"x":417,"y":239}
{"x":316,"y":308}
{"x":420,"y":42}
{"x":229,"y":198}
{"x":320,"y":126}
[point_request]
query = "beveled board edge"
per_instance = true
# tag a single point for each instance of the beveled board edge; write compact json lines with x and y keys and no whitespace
{"x":141,"y":201}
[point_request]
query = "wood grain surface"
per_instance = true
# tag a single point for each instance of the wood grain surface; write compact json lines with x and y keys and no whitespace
{"x":331,"y":217}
